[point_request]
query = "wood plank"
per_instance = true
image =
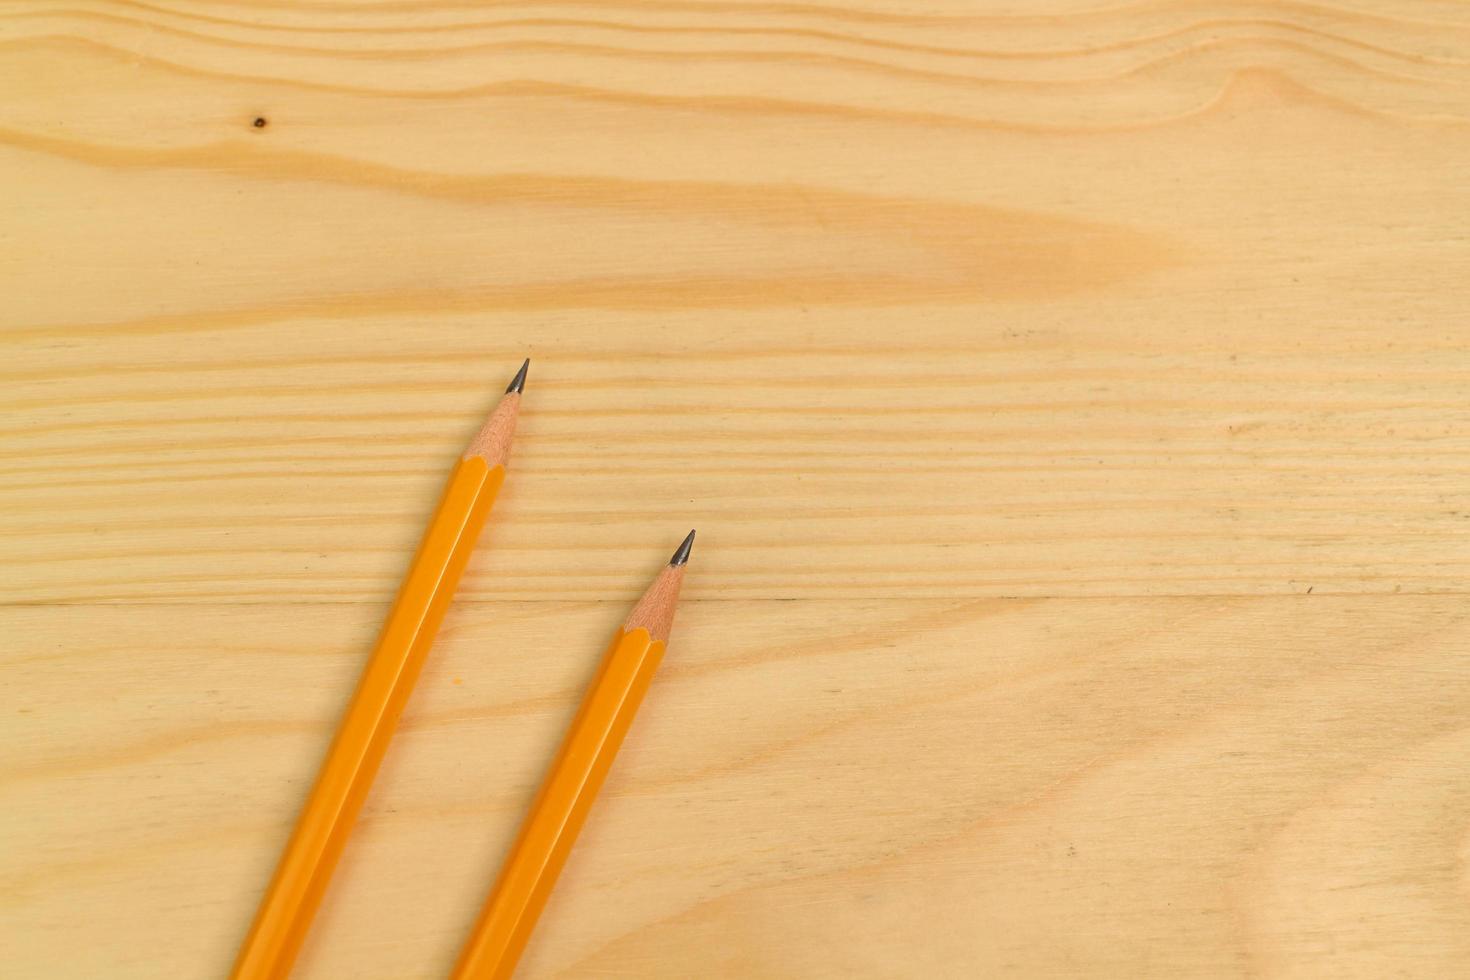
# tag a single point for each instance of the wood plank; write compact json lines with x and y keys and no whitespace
{"x":1162,"y":299}
{"x":1041,"y":468}
{"x":1155,"y":787}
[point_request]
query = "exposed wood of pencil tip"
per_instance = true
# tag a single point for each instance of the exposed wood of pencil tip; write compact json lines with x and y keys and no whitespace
{"x":655,"y":611}
{"x":492,"y":442}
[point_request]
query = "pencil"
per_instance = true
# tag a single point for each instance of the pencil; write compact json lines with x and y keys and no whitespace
{"x":306,"y":866}
{"x":582,"y":763}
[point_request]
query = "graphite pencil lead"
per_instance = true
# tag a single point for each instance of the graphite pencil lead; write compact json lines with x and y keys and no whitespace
{"x":518,"y":383}
{"x":682,"y":555}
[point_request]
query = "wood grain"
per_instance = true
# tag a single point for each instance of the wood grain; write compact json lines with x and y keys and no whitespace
{"x":1050,"y":787}
{"x":1073,"y":402}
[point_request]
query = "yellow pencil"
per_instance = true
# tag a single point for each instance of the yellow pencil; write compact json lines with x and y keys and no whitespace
{"x":566,"y":795}
{"x":321,"y":832}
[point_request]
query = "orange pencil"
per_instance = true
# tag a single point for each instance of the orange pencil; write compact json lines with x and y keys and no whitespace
{"x":566,"y":795}
{"x":321,"y":832}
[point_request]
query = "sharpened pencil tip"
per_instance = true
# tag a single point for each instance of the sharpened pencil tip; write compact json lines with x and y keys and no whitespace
{"x":518,"y":383}
{"x":682,"y":555}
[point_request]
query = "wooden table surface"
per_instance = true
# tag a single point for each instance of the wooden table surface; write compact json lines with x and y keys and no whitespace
{"x":1073,"y":400}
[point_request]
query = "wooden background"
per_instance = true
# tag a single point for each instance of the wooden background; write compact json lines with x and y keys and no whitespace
{"x":1073,"y":399}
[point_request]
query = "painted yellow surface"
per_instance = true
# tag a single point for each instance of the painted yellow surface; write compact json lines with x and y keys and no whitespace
{"x":1073,"y":401}
{"x":324,"y":828}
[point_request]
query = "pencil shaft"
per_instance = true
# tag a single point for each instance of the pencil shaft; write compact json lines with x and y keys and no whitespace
{"x":556,"y":817}
{"x":362,"y":739}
